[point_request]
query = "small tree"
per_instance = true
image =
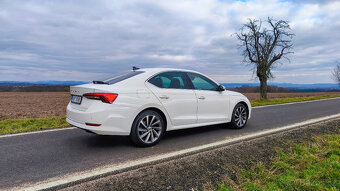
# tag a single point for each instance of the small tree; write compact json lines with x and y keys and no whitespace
{"x":336,"y":73}
{"x":263,"y":47}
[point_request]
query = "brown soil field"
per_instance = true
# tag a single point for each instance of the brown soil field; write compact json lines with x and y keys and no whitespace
{"x":14,"y":105}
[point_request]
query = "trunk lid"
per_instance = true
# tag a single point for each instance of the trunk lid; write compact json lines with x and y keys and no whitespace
{"x":80,"y":90}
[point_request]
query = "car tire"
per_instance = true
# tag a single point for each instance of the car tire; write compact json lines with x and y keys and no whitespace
{"x":147,"y":129}
{"x":239,"y":117}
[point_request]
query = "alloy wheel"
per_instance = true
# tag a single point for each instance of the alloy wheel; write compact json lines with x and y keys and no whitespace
{"x":240,"y":116}
{"x":149,"y":129}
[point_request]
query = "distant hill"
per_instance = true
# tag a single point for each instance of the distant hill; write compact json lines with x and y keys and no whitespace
{"x":38,"y":86}
{"x":254,"y":89}
{"x":40,"y":83}
{"x":63,"y":86}
{"x":292,"y":87}
{"x":34,"y":88}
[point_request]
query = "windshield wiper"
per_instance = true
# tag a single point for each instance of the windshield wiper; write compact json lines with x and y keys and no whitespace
{"x":99,"y":82}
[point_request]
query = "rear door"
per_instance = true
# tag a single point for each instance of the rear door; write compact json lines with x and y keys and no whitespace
{"x":173,"y":91}
{"x":213,"y":105}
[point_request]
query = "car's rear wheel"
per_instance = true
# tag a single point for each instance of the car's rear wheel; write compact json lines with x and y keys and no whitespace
{"x":239,"y":117}
{"x":147,"y":129}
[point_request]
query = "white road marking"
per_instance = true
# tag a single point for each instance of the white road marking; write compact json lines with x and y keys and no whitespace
{"x":119,"y":167}
{"x":256,"y":107}
{"x":35,"y":132}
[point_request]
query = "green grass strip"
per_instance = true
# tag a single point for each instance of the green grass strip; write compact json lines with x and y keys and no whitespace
{"x":9,"y":126}
{"x":306,"y":166}
{"x":290,"y":100}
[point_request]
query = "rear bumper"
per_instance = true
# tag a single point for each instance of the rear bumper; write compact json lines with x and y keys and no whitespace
{"x":113,"y":121}
{"x":100,"y":130}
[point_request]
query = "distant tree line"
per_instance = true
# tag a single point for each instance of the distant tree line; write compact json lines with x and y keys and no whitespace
{"x":243,"y":89}
{"x":256,"y":89}
{"x":35,"y":89}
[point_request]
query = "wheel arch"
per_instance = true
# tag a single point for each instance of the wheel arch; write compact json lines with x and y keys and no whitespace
{"x":160,"y":112}
{"x":246,"y":105}
{"x":234,"y":100}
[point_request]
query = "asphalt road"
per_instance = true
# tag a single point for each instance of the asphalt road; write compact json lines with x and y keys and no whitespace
{"x":36,"y":157}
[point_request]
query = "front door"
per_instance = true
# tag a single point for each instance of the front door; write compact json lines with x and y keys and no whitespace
{"x":212,"y":104}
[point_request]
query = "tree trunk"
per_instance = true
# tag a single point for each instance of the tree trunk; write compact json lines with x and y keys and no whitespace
{"x":263,"y":88}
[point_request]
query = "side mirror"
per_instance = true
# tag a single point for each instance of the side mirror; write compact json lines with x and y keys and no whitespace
{"x":220,"y":88}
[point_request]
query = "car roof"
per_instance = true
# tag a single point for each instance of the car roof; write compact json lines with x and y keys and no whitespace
{"x":147,"y":73}
{"x":156,"y":70}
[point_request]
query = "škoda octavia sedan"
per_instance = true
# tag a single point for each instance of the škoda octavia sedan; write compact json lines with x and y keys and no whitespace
{"x":145,"y":103}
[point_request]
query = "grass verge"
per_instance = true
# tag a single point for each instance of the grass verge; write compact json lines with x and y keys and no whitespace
{"x":307,"y":166}
{"x":9,"y":126}
{"x":289,"y":100}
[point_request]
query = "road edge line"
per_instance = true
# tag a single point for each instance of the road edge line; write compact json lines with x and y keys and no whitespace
{"x":37,"y":132}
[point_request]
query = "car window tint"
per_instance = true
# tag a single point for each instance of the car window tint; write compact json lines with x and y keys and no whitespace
{"x":173,"y":80}
{"x":157,"y":81}
{"x":201,"y":82}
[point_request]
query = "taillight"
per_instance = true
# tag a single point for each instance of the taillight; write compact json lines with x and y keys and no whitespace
{"x":104,"y":97}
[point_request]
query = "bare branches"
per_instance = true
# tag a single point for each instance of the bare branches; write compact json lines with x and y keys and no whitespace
{"x":336,"y":73}
{"x":264,"y":46}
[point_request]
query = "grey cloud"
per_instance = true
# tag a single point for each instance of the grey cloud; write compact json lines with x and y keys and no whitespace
{"x":82,"y":40}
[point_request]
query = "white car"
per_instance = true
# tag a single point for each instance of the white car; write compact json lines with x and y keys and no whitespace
{"x":144,"y":103}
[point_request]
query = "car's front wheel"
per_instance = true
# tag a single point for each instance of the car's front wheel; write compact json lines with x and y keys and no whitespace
{"x":239,"y":117}
{"x":147,"y":129}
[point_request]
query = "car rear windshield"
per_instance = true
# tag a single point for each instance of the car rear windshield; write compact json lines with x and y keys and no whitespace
{"x":120,"y":77}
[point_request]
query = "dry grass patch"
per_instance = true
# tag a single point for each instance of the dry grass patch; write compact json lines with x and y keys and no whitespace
{"x":290,"y":100}
{"x":306,"y":166}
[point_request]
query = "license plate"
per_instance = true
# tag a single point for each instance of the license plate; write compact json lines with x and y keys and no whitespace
{"x":76,"y":99}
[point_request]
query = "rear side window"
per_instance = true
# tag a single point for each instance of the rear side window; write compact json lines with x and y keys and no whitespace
{"x":173,"y":80}
{"x":120,"y":77}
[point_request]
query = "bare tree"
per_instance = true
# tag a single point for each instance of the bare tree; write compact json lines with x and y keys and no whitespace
{"x":263,"y":47}
{"x":336,"y":73}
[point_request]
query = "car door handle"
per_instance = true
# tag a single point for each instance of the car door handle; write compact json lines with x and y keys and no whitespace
{"x":164,"y":97}
{"x":201,"y":97}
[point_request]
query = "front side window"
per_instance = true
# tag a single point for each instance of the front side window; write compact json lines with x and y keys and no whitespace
{"x":172,"y":80}
{"x":201,"y":82}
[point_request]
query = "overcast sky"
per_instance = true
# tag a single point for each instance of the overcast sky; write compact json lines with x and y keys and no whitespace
{"x":84,"y":40}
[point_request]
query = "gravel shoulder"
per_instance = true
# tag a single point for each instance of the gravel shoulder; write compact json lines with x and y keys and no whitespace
{"x":203,"y":171}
